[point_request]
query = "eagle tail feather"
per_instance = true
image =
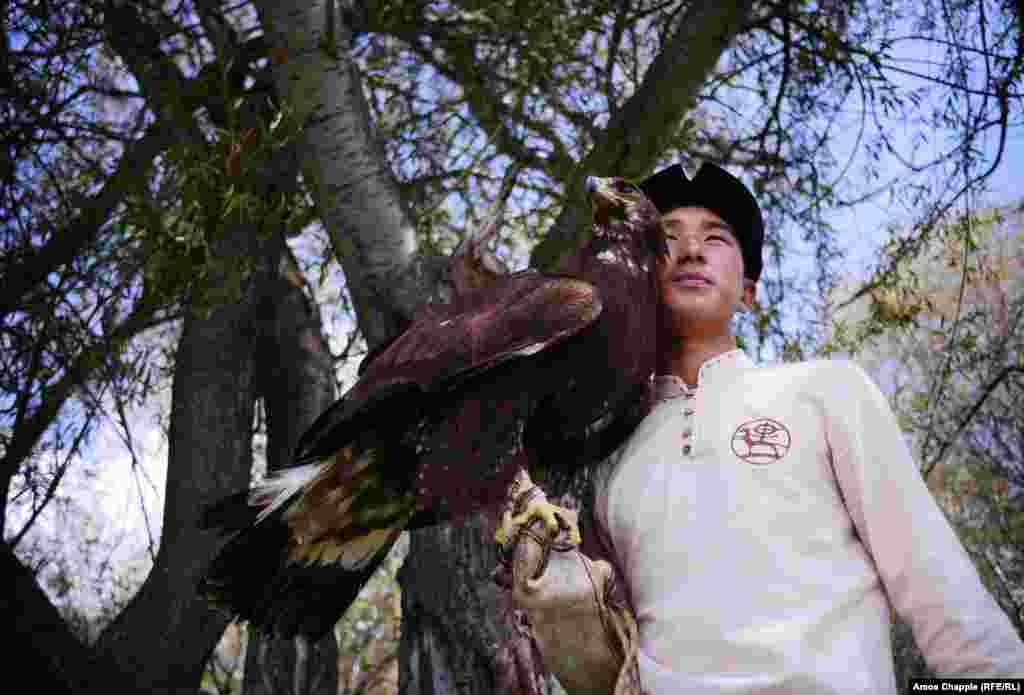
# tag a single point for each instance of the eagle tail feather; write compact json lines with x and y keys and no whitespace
{"x":254,"y":579}
{"x":314,"y":536}
{"x":229,"y":515}
{"x":282,"y":486}
{"x":285,"y":588}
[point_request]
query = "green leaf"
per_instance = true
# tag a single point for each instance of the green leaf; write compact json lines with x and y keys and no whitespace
{"x":919,"y":402}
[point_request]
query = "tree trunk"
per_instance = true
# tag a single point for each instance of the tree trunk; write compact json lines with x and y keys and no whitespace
{"x":355,"y":193}
{"x":161,"y":641}
{"x":455,"y":619}
{"x":295,"y":378}
{"x":165,"y":635}
{"x":275,"y":666}
{"x":907,"y":658}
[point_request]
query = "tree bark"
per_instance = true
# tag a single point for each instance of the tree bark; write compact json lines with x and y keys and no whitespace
{"x":356,"y":194}
{"x":295,"y":379}
{"x":166,"y":633}
{"x":455,"y":619}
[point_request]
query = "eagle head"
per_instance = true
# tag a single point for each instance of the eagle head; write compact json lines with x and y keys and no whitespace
{"x":621,"y":212}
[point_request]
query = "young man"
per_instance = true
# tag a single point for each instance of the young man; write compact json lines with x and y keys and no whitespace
{"x":764,"y":520}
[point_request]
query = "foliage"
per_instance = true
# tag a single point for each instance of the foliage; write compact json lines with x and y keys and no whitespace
{"x":212,"y":181}
{"x":71,"y":303}
{"x":947,"y":340}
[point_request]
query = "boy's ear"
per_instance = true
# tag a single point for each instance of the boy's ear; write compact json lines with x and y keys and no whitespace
{"x":749,"y":295}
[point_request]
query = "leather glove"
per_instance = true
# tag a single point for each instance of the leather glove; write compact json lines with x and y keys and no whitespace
{"x":579,"y":618}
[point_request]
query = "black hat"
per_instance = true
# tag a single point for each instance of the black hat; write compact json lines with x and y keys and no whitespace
{"x":719,"y":191}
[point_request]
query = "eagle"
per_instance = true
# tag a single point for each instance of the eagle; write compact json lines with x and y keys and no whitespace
{"x":544,"y":371}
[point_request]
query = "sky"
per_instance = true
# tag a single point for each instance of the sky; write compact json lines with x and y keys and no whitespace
{"x":863,"y":226}
{"x":111,"y":502}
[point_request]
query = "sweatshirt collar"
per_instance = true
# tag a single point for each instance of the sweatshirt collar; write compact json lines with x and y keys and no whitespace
{"x":667,"y":386}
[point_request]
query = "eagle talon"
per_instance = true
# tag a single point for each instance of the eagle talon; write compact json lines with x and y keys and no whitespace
{"x":555,"y":518}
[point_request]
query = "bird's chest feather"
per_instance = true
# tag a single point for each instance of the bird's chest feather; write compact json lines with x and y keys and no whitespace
{"x":628,"y":321}
{"x":470,"y":451}
{"x":614,"y":356}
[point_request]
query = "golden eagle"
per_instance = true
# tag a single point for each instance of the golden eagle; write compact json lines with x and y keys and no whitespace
{"x":520,"y":370}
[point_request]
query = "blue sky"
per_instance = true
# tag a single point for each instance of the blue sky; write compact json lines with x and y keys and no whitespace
{"x":863,"y":226}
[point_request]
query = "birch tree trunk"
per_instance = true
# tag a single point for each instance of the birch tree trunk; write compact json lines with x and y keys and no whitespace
{"x":354,"y":191}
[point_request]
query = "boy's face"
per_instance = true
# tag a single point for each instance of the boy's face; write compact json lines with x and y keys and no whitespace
{"x":701,"y":281}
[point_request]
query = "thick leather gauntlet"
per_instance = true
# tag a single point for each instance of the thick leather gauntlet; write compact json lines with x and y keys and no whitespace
{"x":581,"y":622}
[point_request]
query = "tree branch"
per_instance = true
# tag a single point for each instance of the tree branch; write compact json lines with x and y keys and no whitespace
{"x":64,"y":245}
{"x":646,"y":123}
{"x":41,"y":641}
{"x":987,"y":391}
{"x":356,"y":194}
{"x":26,"y":437}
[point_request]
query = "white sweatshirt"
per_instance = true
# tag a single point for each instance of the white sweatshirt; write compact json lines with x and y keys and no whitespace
{"x":748,"y":572}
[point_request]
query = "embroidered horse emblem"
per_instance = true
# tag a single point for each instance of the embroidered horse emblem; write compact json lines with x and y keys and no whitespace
{"x":761,"y":441}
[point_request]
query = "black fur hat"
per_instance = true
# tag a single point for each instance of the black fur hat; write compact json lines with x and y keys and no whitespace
{"x":719,"y":191}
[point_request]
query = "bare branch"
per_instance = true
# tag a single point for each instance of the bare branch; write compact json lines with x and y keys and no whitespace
{"x":966,"y":420}
{"x":632,"y":142}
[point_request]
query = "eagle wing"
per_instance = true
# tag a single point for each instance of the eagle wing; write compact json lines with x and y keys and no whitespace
{"x":520,"y":315}
{"x":438,"y":420}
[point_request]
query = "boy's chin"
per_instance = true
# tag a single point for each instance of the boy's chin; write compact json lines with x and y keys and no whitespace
{"x":686,"y":323}
{"x":697,"y":308}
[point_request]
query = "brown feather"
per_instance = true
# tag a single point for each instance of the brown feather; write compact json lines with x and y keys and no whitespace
{"x":471,"y":267}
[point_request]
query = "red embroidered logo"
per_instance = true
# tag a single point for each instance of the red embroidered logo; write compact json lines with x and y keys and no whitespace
{"x":761,"y":441}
